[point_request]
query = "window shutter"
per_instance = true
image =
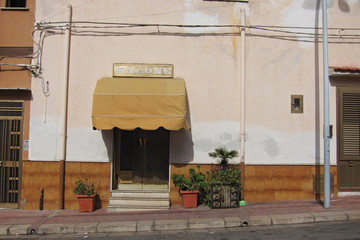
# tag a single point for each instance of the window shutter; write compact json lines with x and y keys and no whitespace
{"x":350,"y":126}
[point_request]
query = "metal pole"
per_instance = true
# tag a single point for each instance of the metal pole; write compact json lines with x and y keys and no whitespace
{"x":326,"y":109}
{"x":242,"y":86}
{"x":242,"y":101}
{"x":64,"y":114}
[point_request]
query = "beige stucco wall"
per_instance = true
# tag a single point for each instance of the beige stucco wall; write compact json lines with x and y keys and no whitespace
{"x":210,"y":65}
{"x":276,"y":69}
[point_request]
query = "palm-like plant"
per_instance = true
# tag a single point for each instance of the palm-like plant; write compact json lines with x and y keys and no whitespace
{"x":224,"y":155}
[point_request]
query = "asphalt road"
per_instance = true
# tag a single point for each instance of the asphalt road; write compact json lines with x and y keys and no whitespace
{"x":326,"y":230}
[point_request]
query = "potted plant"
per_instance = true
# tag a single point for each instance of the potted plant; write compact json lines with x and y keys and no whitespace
{"x":85,"y":193}
{"x":190,"y":186}
{"x":224,"y":181}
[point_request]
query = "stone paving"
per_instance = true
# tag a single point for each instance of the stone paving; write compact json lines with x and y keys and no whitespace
{"x":22,"y":222}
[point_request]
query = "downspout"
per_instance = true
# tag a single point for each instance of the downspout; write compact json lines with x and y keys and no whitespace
{"x":242,"y":96}
{"x":64,"y":114}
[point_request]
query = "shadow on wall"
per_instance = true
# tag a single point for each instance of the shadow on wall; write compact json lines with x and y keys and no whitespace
{"x":108,"y":138}
{"x":181,"y":141}
{"x":98,"y":202}
{"x":317,"y":97}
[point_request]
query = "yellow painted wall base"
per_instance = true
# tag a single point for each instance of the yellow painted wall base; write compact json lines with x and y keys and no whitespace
{"x":263,"y":183}
{"x":45,"y":174}
{"x":282,"y":182}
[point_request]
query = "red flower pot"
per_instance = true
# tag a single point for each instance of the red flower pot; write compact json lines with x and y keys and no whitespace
{"x":189,"y":198}
{"x":86,"y":203}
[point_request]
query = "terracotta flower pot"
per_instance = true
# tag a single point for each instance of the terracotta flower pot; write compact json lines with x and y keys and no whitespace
{"x":86,"y":203}
{"x":189,"y":198}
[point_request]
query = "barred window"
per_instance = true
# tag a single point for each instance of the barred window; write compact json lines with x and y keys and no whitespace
{"x":16,"y":3}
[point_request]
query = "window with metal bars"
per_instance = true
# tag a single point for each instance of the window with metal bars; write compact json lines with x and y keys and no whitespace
{"x":16,"y":3}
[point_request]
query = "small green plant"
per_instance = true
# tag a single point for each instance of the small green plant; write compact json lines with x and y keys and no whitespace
{"x":83,"y":187}
{"x":224,"y":173}
{"x":196,"y":180}
{"x":224,"y":155}
{"x":231,"y":174}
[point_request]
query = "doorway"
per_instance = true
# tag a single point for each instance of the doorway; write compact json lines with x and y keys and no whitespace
{"x":348,"y":102}
{"x":141,"y":159}
{"x":11,"y":117}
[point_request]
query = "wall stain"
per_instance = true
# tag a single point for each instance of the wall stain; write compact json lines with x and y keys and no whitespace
{"x":204,"y":145}
{"x":271,"y":147}
{"x":344,"y":6}
{"x":226,"y":137}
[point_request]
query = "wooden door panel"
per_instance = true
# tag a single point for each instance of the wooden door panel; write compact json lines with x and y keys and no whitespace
{"x":348,"y":173}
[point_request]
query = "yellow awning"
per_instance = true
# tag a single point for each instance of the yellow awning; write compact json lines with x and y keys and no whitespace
{"x":147,"y":103}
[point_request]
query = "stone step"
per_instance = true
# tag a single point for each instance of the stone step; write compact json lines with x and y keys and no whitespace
{"x":132,"y":209}
{"x":147,"y":195}
{"x":139,"y":202}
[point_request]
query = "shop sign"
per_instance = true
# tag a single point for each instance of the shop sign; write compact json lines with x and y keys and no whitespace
{"x":143,"y":70}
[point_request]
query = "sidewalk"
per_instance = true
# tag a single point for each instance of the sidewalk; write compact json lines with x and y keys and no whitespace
{"x":14,"y":222}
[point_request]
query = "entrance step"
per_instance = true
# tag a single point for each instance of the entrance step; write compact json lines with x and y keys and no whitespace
{"x":139,"y":200}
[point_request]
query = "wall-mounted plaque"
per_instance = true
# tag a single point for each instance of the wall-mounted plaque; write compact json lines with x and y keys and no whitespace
{"x":143,"y":70}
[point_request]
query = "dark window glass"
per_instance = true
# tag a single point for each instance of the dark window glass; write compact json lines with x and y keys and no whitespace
{"x":16,"y":3}
{"x":11,"y":113}
{"x":126,"y":157}
{"x":10,"y":104}
{"x":8,"y":109}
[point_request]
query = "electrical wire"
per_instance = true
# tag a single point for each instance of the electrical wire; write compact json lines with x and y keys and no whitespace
{"x":87,"y":28}
{"x":337,"y":35}
{"x":63,"y":23}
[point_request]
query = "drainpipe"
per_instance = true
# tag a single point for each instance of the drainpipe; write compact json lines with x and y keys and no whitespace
{"x":64,"y":114}
{"x":242,"y":96}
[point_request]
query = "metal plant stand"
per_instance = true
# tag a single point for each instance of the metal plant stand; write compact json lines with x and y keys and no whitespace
{"x":225,"y":195}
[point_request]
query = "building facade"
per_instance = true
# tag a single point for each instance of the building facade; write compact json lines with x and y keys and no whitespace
{"x":16,"y":52}
{"x":141,"y":90}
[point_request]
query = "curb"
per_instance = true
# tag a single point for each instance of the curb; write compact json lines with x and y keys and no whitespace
{"x":180,"y":224}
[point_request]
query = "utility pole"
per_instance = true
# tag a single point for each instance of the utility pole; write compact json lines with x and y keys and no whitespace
{"x":326,"y":108}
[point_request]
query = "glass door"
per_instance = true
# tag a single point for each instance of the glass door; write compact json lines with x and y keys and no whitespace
{"x":144,"y":159}
{"x":155,"y":158}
